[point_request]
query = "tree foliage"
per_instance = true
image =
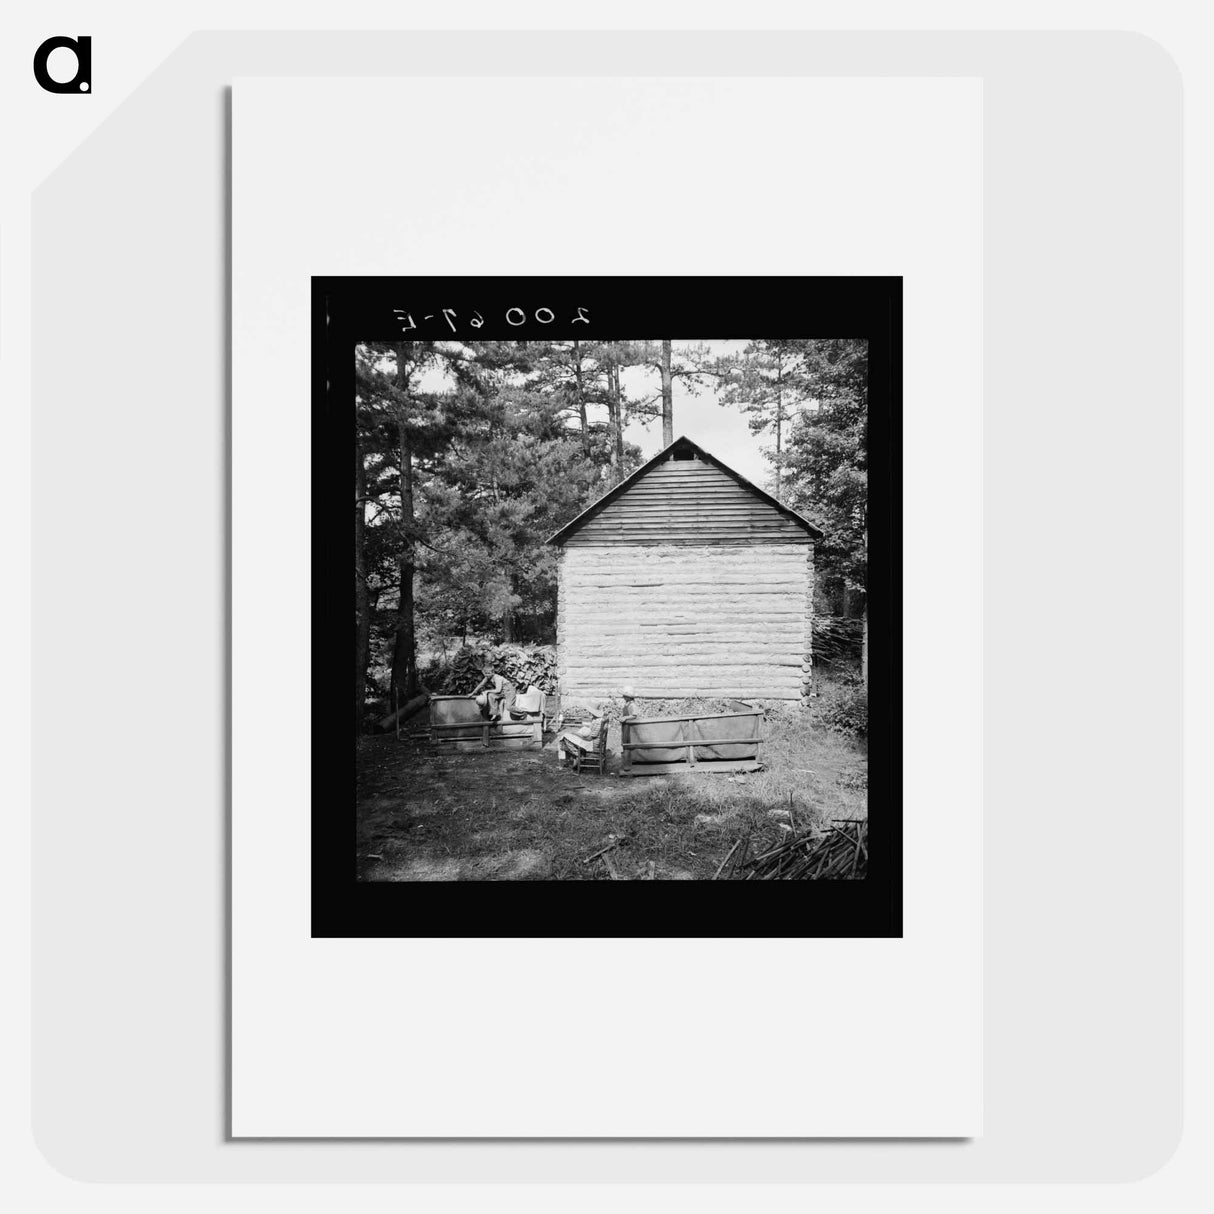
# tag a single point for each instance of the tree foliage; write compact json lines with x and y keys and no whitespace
{"x":826,"y":460}
{"x":811,"y":397}
{"x":468,"y":458}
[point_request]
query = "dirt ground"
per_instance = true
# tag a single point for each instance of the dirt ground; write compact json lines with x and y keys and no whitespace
{"x":517,"y":815}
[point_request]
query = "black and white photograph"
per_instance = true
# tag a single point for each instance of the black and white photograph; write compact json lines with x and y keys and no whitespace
{"x":614,"y":616}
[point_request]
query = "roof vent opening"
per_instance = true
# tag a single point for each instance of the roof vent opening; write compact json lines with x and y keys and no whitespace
{"x":683,"y":453}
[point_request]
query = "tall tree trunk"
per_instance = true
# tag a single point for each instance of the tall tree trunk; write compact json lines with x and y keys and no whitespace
{"x":864,"y":648}
{"x":510,"y":618}
{"x":779,"y":420}
{"x":362,"y":595}
{"x":404,"y":648}
{"x":619,"y":425}
{"x":612,"y":424}
{"x":581,"y":395}
{"x":617,"y":418}
{"x":667,"y":397}
{"x":864,"y":633}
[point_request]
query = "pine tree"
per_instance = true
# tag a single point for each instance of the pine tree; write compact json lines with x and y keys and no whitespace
{"x":469,"y":457}
{"x":826,"y":460}
{"x":694,"y":365}
{"x":767,"y":384}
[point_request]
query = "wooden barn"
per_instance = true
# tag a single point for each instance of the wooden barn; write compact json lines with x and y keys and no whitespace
{"x":685,"y":580}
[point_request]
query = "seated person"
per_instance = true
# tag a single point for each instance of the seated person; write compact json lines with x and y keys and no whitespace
{"x":498,"y":696}
{"x":577,"y":737}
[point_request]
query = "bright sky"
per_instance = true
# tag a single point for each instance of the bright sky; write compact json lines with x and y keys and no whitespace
{"x":719,"y":429}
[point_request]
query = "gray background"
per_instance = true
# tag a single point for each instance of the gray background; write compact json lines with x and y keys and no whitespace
{"x":1082,"y":559}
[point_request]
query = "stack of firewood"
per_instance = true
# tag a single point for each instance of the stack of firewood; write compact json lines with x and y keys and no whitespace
{"x":527,"y":665}
{"x":839,"y":854}
{"x":523,"y":665}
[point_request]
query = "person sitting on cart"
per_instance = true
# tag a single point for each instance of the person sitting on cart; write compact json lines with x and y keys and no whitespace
{"x":498,"y":697}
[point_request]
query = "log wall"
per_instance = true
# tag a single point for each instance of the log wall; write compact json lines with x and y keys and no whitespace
{"x":676,"y":620}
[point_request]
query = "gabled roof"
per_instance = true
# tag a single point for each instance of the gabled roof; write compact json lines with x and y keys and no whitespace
{"x":679,"y":444}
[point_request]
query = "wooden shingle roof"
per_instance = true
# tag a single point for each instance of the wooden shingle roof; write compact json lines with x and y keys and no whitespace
{"x":685,"y":495}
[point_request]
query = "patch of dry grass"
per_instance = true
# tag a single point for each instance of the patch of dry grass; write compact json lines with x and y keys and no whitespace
{"x":516,"y":815}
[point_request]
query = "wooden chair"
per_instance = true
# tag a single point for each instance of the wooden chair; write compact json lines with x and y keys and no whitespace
{"x":594,"y":759}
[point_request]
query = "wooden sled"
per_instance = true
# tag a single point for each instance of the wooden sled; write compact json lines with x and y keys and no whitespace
{"x":456,"y":724}
{"x":713,"y":742}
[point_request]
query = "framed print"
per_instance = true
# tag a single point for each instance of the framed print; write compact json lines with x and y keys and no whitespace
{"x":589,"y":648}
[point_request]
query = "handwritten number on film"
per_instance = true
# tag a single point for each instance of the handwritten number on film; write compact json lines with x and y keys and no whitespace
{"x":515,"y":317}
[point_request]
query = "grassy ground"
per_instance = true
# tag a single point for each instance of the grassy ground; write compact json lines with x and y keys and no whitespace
{"x":516,"y":815}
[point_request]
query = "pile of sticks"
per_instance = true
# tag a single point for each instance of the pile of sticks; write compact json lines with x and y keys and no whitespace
{"x":837,"y":641}
{"x":839,"y":854}
{"x":609,"y":861}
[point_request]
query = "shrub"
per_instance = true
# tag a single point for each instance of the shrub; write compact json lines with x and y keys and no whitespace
{"x":843,"y":707}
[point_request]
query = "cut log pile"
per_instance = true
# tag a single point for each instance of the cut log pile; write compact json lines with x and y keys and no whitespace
{"x":523,"y":665}
{"x":838,"y":854}
{"x":837,"y":641}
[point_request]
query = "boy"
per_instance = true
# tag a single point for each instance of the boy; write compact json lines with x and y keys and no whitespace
{"x":499,"y":696}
